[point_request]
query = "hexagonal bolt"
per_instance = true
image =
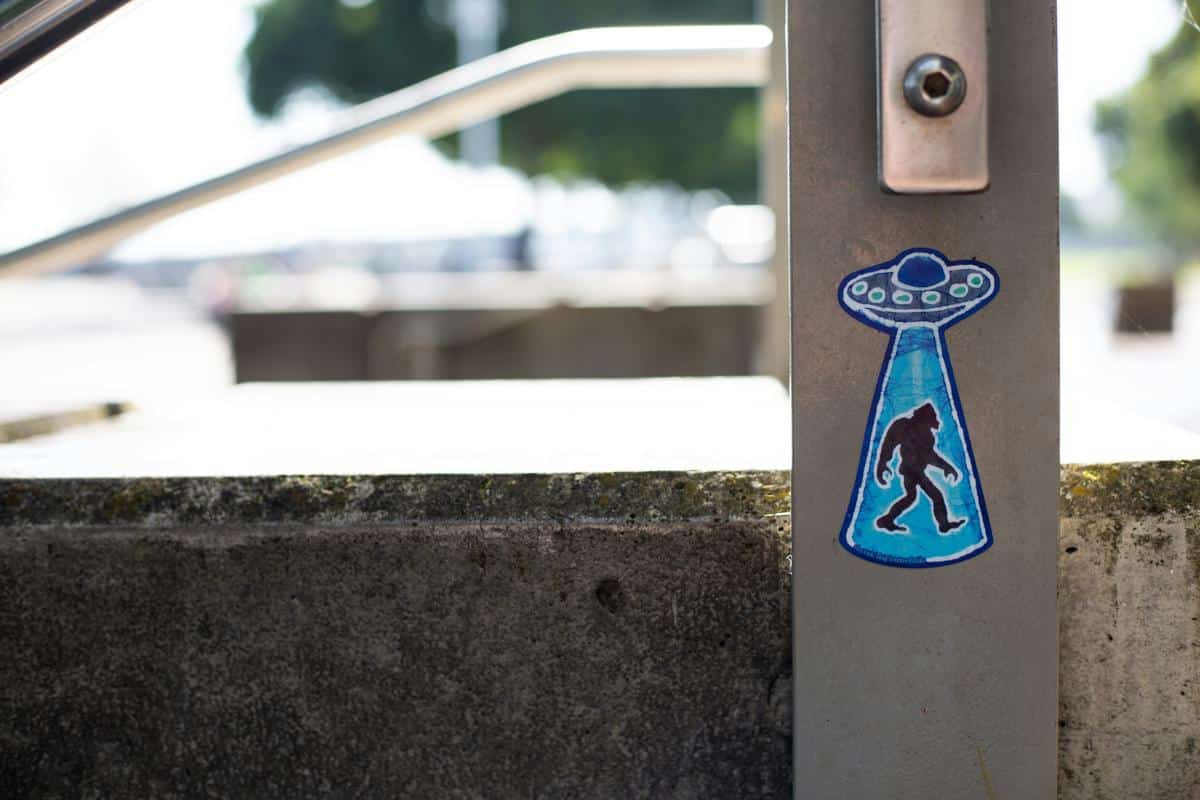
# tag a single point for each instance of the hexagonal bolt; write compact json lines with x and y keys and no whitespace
{"x":935,"y":85}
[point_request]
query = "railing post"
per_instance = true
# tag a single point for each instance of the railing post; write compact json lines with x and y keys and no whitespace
{"x":773,"y":342}
{"x":924,"y":496}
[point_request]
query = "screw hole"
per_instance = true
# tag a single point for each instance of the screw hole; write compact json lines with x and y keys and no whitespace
{"x":936,"y":86}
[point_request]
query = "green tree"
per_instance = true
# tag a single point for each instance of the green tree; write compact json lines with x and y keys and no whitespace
{"x":1152,"y":142}
{"x":694,"y":137}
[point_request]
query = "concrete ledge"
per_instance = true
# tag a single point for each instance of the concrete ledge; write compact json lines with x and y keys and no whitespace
{"x":574,"y":635}
{"x":163,"y":503}
{"x":1156,"y":487}
{"x":452,"y":637}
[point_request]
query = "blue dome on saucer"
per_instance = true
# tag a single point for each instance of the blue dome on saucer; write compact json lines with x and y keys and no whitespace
{"x":921,"y":270}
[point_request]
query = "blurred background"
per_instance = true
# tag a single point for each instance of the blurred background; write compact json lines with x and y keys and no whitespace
{"x":602,"y":233}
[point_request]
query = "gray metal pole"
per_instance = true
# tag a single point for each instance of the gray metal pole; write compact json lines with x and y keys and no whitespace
{"x":938,"y":681}
{"x":774,"y":337}
{"x":477,"y":26}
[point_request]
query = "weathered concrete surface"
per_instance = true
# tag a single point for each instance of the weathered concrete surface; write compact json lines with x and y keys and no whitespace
{"x":1129,"y":633}
{"x":449,"y":637}
{"x":588,"y":636}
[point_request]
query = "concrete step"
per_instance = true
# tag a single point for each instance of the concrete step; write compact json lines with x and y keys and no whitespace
{"x":614,"y":626}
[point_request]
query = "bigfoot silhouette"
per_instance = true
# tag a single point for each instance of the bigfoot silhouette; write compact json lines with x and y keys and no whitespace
{"x":915,"y":438}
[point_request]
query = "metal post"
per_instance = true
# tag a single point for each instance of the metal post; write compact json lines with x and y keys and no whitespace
{"x":774,"y":338}
{"x":477,"y":26}
{"x":938,"y":681}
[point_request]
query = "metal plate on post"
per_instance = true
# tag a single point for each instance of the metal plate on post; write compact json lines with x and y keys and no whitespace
{"x":938,"y":681}
{"x":933,"y":95}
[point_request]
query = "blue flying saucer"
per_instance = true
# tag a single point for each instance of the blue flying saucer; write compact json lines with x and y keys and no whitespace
{"x":918,"y":288}
{"x":917,"y":500}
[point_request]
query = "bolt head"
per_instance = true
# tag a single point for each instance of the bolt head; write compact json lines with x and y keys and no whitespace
{"x":935,"y":85}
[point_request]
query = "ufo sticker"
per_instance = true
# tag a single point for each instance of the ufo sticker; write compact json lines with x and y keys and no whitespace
{"x":917,"y":500}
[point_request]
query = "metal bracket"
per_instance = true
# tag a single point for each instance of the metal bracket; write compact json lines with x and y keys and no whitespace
{"x":933,"y":96}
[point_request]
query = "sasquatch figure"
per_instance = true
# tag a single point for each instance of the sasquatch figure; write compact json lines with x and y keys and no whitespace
{"x":918,"y":452}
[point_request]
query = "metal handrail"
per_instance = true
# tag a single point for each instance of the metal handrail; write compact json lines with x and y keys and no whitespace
{"x":29,"y":29}
{"x":631,"y":57}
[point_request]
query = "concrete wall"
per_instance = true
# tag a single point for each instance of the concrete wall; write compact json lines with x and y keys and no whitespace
{"x":588,"y":636}
{"x":463,"y":344}
{"x":1129,"y":633}
{"x":594,"y":637}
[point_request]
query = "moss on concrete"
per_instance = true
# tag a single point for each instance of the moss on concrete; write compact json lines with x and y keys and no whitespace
{"x":1143,"y":488}
{"x":1125,"y":489}
{"x":331,"y":499}
{"x":1115,"y":492}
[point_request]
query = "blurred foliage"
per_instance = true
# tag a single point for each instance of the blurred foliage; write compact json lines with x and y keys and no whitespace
{"x":694,"y":137}
{"x":1151,"y":135}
